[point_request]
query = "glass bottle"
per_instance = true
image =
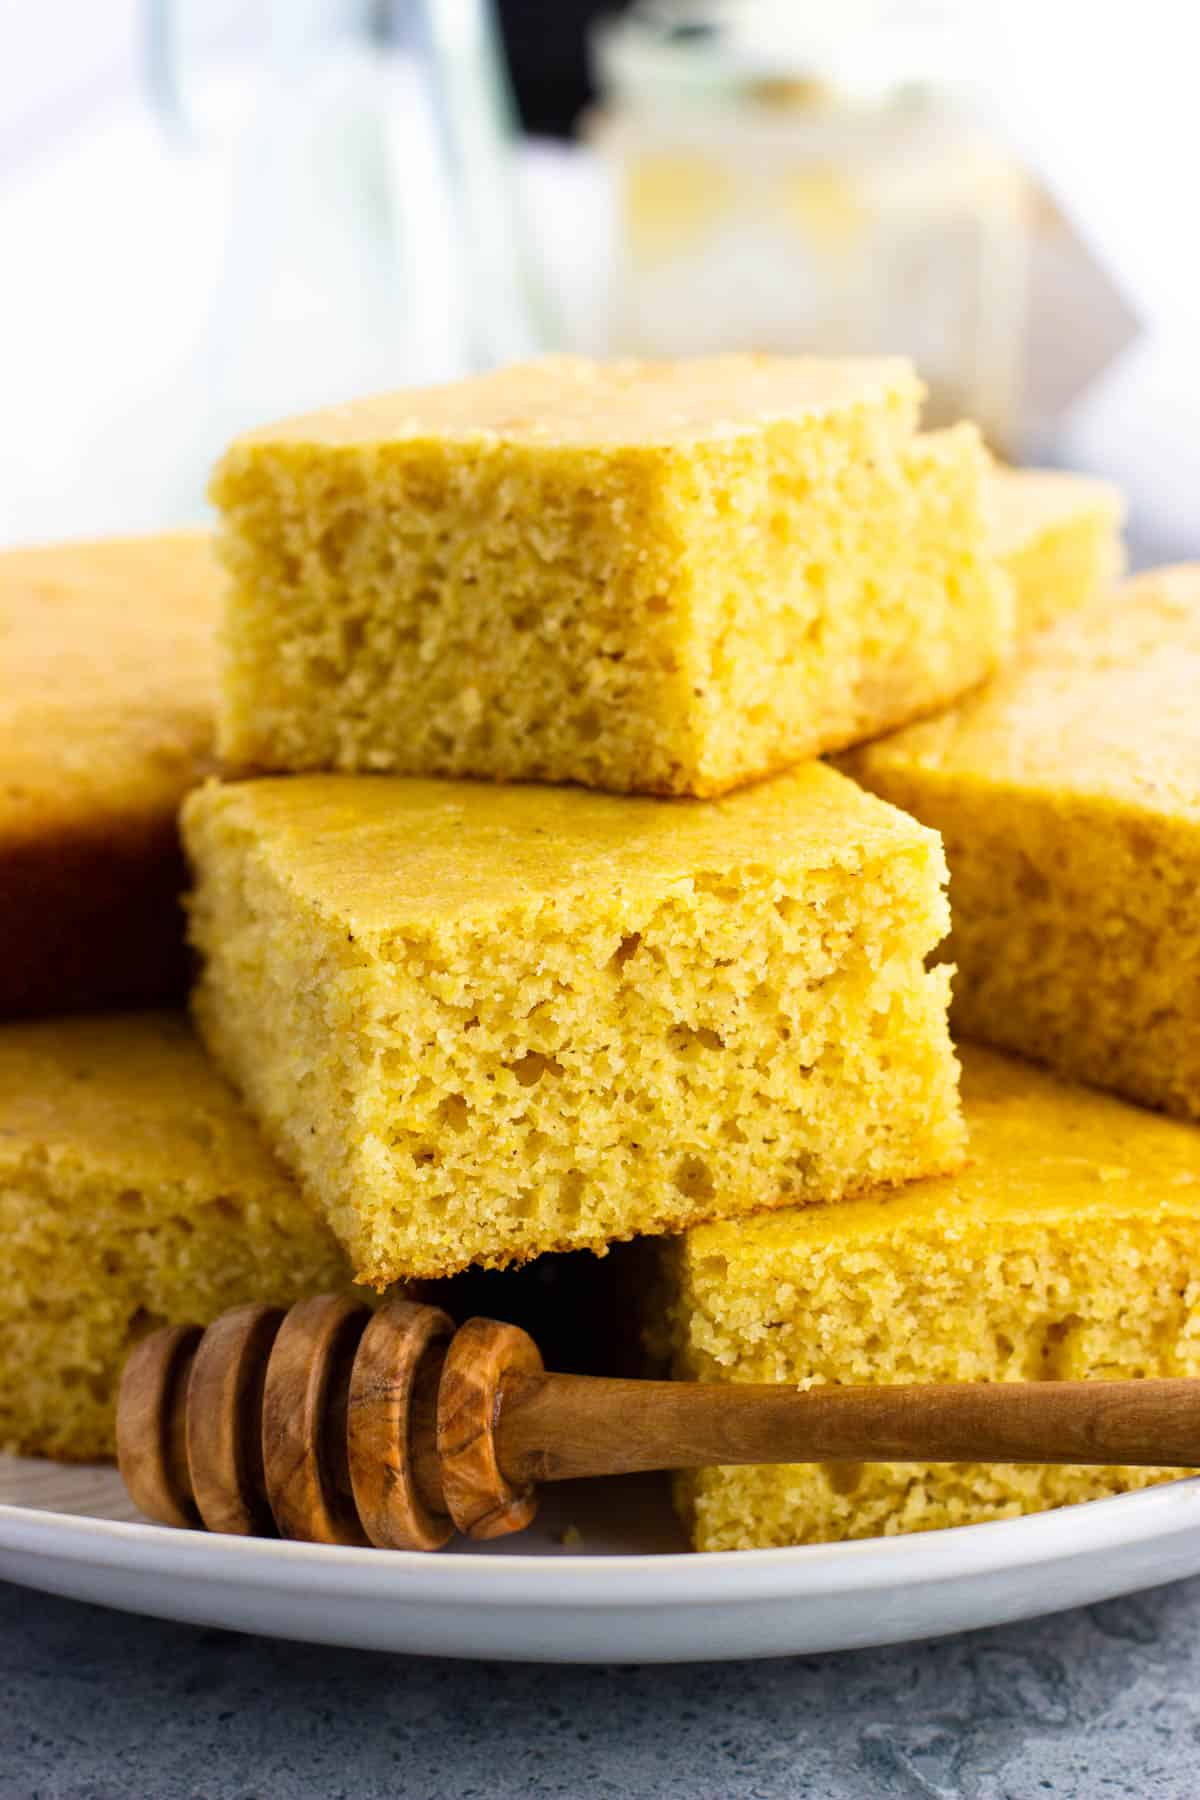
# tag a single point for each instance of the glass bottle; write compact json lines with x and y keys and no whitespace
{"x":364,"y":152}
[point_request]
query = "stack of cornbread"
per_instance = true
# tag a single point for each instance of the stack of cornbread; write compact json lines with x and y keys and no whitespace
{"x":134,"y":1189}
{"x":707,"y":979}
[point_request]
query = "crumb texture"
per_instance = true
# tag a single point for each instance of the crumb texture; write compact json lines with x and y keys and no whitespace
{"x":1067,"y":1248}
{"x":134,"y":1192}
{"x":640,"y":576}
{"x":1067,"y":795}
{"x":481,"y":1024}
{"x":1058,"y":536}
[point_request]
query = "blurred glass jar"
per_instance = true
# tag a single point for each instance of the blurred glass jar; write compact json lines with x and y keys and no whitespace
{"x":805,"y":176}
{"x":362,"y":155}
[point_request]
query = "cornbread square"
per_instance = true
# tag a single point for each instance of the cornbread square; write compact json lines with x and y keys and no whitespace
{"x":1068,"y":1247}
{"x":648,"y":577}
{"x":483,"y":1023}
{"x":134,"y":1192}
{"x":1058,"y":536}
{"x":1068,"y":798}
{"x":108,"y":675}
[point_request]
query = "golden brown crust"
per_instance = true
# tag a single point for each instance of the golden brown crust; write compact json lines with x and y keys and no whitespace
{"x":1067,"y":794}
{"x":108,"y":680}
{"x":90,"y":918}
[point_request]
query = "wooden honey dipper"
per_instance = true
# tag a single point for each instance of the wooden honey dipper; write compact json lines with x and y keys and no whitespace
{"x":336,"y":1425}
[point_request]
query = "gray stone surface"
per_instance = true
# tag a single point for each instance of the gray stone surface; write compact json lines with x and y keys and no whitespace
{"x":1100,"y":1703}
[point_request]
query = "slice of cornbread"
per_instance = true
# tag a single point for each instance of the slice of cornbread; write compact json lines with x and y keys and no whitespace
{"x":134,"y":1192}
{"x":1068,"y":1247}
{"x":107,"y":700}
{"x":1068,"y":798}
{"x":1058,"y":535}
{"x":483,"y":1023}
{"x":648,"y":577}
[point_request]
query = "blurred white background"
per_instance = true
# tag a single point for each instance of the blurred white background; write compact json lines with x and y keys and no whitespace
{"x":116,"y":244}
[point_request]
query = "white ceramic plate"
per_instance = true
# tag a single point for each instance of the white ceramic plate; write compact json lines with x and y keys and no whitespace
{"x":630,"y":1596}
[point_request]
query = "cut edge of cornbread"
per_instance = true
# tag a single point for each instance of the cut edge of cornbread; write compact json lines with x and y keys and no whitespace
{"x":1067,"y":798}
{"x":748,"y":562}
{"x":1059,"y":537}
{"x":482,"y":1024}
{"x":1068,"y":1248}
{"x":134,"y":1192}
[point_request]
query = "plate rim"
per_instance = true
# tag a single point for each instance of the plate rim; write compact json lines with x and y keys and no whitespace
{"x":602,"y":1583}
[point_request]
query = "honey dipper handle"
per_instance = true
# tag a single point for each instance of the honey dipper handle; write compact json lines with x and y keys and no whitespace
{"x":334,"y":1426}
{"x":559,"y":1427}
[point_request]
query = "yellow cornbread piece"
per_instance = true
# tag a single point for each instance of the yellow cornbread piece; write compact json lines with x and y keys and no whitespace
{"x":1069,"y":1247}
{"x":1068,"y":798}
{"x":134,"y":1192}
{"x":648,"y":577}
{"x":483,"y":1023}
{"x":1058,"y":535}
{"x":108,"y":677}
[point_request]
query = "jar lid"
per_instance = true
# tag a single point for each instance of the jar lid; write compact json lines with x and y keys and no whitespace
{"x":803,"y":53}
